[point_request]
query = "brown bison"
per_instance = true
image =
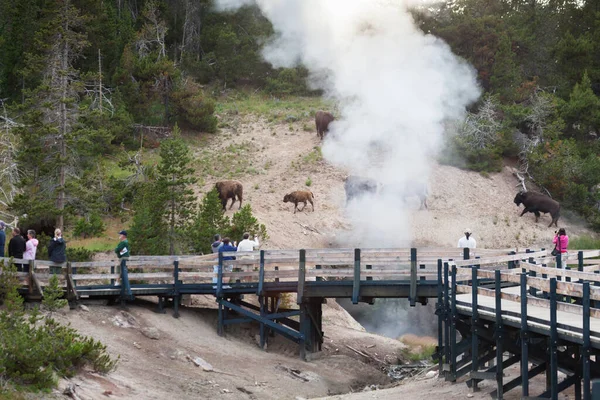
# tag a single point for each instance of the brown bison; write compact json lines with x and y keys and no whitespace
{"x":322,"y":120}
{"x":229,"y":190}
{"x":300,"y":196}
{"x":536,"y":203}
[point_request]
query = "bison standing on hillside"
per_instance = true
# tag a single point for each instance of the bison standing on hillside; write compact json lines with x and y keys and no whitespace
{"x":229,"y":190}
{"x":300,"y":196}
{"x":356,"y":186}
{"x":322,"y":120}
{"x":536,"y":203}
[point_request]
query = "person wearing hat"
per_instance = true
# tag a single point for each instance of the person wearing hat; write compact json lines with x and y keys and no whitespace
{"x":467,"y":241}
{"x":122,"y":248}
{"x":2,"y":238}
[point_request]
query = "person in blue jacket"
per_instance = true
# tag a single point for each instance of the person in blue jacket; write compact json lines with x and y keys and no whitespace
{"x":2,"y":238}
{"x":226,"y":247}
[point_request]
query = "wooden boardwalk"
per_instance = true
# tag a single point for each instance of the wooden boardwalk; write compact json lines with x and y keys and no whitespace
{"x":508,"y":305}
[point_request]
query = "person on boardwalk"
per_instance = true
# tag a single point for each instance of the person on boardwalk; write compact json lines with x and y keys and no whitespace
{"x":57,"y":251}
{"x":16,"y":248}
{"x":122,"y":249}
{"x":561,"y":243}
{"x":467,"y":241}
{"x":30,"y":246}
{"x":214,"y":247}
{"x":2,"y":238}
{"x":247,"y":244}
{"x":226,"y":247}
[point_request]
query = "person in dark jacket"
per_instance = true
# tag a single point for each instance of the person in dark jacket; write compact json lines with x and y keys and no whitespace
{"x":122,"y":249}
{"x":57,"y":248}
{"x":2,"y":238}
{"x":225,"y":248}
{"x":16,"y":247}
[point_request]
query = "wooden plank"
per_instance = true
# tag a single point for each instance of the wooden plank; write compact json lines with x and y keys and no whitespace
{"x":94,"y":277}
{"x":561,"y":272}
{"x":496,"y":260}
{"x":150,"y":275}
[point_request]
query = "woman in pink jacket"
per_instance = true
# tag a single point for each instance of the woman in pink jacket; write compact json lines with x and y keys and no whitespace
{"x":30,"y":246}
{"x":561,"y":242}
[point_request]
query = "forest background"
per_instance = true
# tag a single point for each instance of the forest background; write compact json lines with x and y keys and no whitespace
{"x":88,"y":88}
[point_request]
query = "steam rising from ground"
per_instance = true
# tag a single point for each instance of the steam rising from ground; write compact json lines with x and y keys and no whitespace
{"x":395,"y":87}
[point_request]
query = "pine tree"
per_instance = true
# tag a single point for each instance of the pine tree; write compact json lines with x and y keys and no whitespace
{"x":582,"y":111}
{"x":175,"y":178}
{"x":506,"y":72}
{"x":147,"y":232}
{"x":243,"y":221}
{"x":209,"y":221}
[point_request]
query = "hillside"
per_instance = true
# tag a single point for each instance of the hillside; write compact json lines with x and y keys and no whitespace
{"x":272,"y":159}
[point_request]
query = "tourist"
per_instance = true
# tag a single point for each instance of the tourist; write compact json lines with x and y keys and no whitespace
{"x":561,"y":243}
{"x":467,"y":241}
{"x":16,"y":248}
{"x":30,"y":246}
{"x":122,"y":249}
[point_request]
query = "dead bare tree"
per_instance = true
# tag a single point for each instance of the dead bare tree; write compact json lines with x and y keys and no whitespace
{"x":190,"y":38}
{"x":481,"y":130}
{"x":9,"y":169}
{"x":152,"y":35}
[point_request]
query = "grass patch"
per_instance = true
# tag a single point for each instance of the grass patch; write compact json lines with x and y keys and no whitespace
{"x":285,"y":109}
{"x":585,"y":242}
{"x":231,"y":162}
{"x":308,"y":182}
{"x":314,"y":156}
{"x":417,"y":348}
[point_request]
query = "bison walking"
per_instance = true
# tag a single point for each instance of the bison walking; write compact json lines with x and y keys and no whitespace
{"x":300,"y":196}
{"x":322,"y":120}
{"x":536,"y":203}
{"x":229,"y":190}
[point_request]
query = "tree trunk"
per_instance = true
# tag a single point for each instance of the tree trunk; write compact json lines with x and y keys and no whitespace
{"x":63,"y":126}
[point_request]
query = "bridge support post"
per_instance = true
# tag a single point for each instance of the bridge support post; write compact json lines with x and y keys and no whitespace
{"x":311,"y":324}
{"x":499,"y":337}
{"x":412,"y":297}
{"x":453,"y":317}
{"x":474,"y":330}
{"x":585,"y":350}
{"x":524,"y":339}
{"x":126,"y":293}
{"x":439,"y":310}
{"x":176,"y":294}
{"x":447,"y":360}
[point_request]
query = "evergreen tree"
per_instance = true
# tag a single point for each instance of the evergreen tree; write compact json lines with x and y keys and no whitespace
{"x":175,"y":178}
{"x":148,"y":227}
{"x":243,"y":221}
{"x":582,"y":111}
{"x":506,"y":74}
{"x":209,"y":221}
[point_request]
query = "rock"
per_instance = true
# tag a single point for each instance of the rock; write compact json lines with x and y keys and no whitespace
{"x":431,"y":374}
{"x":299,"y":398}
{"x":151,"y":333}
{"x":137,"y":345}
{"x":201,"y":363}
{"x":226,"y":391}
{"x":469,"y":395}
{"x":84,"y":308}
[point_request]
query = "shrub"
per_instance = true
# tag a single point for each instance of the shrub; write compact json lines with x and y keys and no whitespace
{"x":89,"y":226}
{"x":79,"y":254}
{"x":34,"y":350}
{"x":243,"y":221}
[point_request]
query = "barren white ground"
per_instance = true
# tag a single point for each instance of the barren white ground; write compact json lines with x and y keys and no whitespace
{"x":159,"y":369}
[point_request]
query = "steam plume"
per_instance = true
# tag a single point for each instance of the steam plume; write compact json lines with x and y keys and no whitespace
{"x":395,"y":86}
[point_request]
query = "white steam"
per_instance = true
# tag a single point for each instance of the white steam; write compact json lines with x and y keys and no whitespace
{"x":395,"y":87}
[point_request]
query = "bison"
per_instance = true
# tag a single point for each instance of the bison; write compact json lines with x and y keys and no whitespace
{"x":407,"y":190}
{"x":356,"y":186}
{"x":322,"y":120}
{"x":229,"y":190}
{"x":300,"y":196}
{"x":536,"y":203}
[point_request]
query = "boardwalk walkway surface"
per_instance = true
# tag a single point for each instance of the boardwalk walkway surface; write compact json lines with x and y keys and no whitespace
{"x":504,"y":306}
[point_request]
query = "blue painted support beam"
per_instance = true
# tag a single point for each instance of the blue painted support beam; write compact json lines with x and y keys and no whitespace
{"x":453,"y":319}
{"x":176,"y":284}
{"x":596,"y":390}
{"x":301,"y":276}
{"x":474,"y":330}
{"x":499,"y":337}
{"x":585,"y":349}
{"x":466,"y":253}
{"x":112,"y":271}
{"x":512,"y":264}
{"x":261,"y":275}
{"x":356,"y":282}
{"x":524,"y":339}
{"x":439,"y":310}
{"x":446,"y":318}
{"x":219,"y":295}
{"x":281,"y":329}
{"x":553,"y":343}
{"x":412,"y":297}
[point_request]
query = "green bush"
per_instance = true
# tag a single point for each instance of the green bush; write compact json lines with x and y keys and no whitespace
{"x":79,"y":254}
{"x":584,"y":243}
{"x":243,"y":221}
{"x":90,"y":226}
{"x":36,"y":350}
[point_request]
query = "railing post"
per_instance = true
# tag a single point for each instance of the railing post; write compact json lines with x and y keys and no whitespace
{"x":176,"y":295}
{"x":447,"y":318}
{"x":261,"y":275}
{"x":474,"y":329}
{"x":440,"y":313}
{"x":125,"y":286}
{"x":453,"y":319}
{"x":301,"y":276}
{"x":524,"y":339}
{"x":585,"y":350}
{"x":412,"y":297}
{"x":466,"y":253}
{"x":553,"y":342}
{"x":219,"y":295}
{"x":499,"y":336}
{"x":30,"y":277}
{"x":356,"y":283}
{"x":511,"y":263}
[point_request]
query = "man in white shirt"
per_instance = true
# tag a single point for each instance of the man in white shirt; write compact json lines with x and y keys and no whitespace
{"x":467,"y":241}
{"x":247,"y":244}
